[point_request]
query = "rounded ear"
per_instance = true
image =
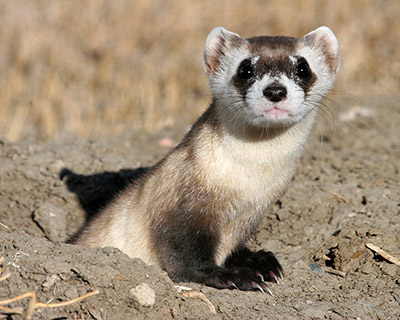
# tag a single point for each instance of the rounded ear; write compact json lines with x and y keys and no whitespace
{"x":324,"y":40}
{"x":218,"y":44}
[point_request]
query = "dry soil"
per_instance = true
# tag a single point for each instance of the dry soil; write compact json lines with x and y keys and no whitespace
{"x":345,"y":194}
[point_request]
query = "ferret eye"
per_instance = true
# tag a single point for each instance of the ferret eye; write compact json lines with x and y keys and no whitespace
{"x":303,"y":70}
{"x":246,"y":72}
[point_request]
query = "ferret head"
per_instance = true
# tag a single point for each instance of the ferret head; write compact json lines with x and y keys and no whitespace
{"x":270,"y":81}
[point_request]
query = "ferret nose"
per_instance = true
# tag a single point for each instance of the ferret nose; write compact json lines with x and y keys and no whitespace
{"x":275,"y":93}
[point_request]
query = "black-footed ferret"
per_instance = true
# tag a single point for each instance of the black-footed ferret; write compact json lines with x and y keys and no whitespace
{"x":192,"y":213}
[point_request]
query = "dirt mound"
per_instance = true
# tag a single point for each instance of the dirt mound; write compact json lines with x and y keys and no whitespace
{"x":345,"y":194}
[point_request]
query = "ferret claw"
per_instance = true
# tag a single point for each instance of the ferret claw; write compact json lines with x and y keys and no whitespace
{"x":255,"y":285}
{"x":266,"y":288}
{"x":274,"y":276}
{"x":262,"y":287}
{"x":258,"y":274}
{"x":232,"y":285}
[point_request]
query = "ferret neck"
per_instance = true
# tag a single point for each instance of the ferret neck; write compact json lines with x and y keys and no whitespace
{"x":233,"y":128}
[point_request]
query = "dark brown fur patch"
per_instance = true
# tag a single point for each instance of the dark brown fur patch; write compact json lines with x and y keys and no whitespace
{"x":262,"y":45}
{"x":305,"y":84}
{"x":272,"y":66}
{"x":185,"y":231}
{"x":274,"y":60}
{"x":186,"y":236}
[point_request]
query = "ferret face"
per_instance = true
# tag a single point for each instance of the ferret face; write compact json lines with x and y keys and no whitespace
{"x":270,"y":81}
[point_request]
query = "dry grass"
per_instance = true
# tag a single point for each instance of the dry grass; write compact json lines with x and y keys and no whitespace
{"x":72,"y":68}
{"x":34,"y":304}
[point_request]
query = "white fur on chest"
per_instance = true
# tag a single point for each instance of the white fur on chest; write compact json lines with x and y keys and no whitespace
{"x":258,"y":170}
{"x":255,"y":174}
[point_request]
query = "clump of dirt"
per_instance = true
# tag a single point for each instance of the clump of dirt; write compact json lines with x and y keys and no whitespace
{"x":344,"y":195}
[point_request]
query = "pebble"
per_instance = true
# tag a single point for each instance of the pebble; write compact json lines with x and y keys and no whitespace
{"x":144,"y":295}
{"x":316,"y":268}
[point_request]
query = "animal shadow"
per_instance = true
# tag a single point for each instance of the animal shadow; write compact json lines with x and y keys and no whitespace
{"x":96,"y":191}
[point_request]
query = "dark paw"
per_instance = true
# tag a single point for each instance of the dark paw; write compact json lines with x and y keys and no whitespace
{"x":262,"y":263}
{"x":237,"y":278}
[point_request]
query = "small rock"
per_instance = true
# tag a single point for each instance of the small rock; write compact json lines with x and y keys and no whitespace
{"x":316,"y":268}
{"x":144,"y":295}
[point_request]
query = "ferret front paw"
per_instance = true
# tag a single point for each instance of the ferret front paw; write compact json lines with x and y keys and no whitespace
{"x":237,"y":278}
{"x":262,"y":263}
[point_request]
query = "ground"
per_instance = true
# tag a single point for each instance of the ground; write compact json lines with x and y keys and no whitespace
{"x":345,"y":194}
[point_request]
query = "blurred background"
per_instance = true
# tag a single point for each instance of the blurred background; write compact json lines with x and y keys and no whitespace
{"x":93,"y":69}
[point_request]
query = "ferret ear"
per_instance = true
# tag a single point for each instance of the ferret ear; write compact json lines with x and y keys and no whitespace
{"x":218,"y":44}
{"x":324,"y":40}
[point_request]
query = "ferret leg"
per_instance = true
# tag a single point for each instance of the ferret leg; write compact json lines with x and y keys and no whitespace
{"x":186,"y":249}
